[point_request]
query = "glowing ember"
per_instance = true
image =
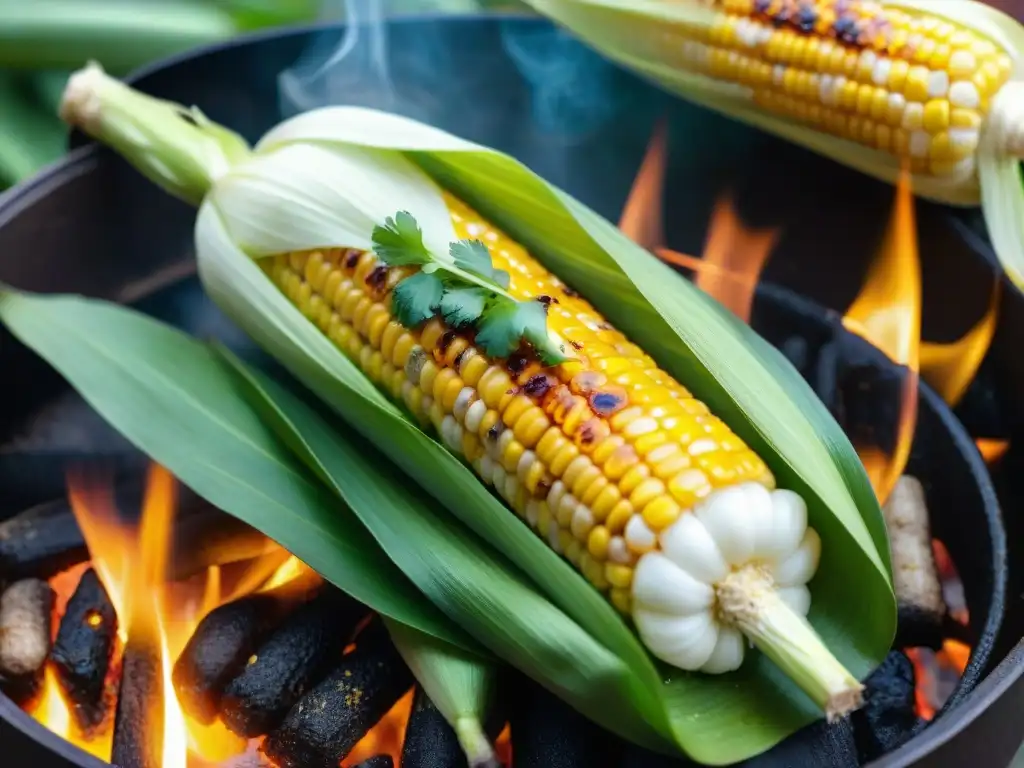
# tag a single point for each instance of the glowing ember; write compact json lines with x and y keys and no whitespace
{"x":992,"y":450}
{"x":950,"y":368}
{"x":887,"y":314}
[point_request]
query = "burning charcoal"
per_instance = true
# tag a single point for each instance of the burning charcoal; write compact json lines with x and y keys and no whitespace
{"x":548,"y":733}
{"x":25,"y":621}
{"x":379,"y":761}
{"x":41,"y":542}
{"x":915,"y":576}
{"x":329,"y":720}
{"x":45,"y":540}
{"x":225,"y":638}
{"x":295,"y":657}
{"x":430,"y":741}
{"x":211,"y":537}
{"x":81,"y":654}
{"x":138,"y":731}
{"x":888,"y":717}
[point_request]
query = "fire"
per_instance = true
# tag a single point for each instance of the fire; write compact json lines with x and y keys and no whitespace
{"x":132,"y":563}
{"x":950,"y":368}
{"x":887,"y":314}
{"x":734,"y":254}
{"x":992,"y":450}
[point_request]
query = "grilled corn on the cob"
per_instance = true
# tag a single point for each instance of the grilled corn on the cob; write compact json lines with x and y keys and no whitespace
{"x":900,"y":78}
{"x":619,"y":467}
{"x":601,"y":455}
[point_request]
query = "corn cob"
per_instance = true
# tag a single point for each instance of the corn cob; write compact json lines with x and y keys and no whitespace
{"x":655,"y":501}
{"x":913,"y":85}
{"x":895,"y":77}
{"x":600,"y":455}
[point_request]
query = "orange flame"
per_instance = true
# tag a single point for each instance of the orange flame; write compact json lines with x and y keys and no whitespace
{"x":734,"y":254}
{"x":950,"y":368}
{"x":641,"y":219}
{"x":887,"y":314}
{"x":132,"y":563}
{"x":992,"y":450}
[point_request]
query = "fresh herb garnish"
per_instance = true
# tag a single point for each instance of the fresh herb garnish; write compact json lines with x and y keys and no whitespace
{"x":465,"y":288}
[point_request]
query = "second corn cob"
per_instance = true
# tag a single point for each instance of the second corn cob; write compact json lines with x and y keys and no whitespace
{"x":621,"y":470}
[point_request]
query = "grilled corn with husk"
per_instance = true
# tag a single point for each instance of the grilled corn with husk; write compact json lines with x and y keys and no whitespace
{"x":932,"y":86}
{"x":620,"y":469}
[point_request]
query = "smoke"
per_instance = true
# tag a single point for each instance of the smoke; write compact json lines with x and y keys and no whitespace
{"x":517,"y":84}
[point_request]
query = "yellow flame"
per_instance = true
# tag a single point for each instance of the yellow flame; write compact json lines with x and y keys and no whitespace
{"x":950,"y":368}
{"x":887,"y":314}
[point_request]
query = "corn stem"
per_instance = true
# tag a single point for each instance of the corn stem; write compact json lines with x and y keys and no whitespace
{"x":176,"y":148}
{"x":747,"y":599}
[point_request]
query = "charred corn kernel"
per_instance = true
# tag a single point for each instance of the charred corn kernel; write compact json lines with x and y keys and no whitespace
{"x":598,"y":455}
{"x":820,"y":63}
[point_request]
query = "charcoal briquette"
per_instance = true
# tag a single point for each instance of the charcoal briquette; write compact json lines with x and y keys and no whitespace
{"x":888,"y":717}
{"x":330,"y":720}
{"x":225,"y":639}
{"x":138,"y":723}
{"x":25,"y":628}
{"x":41,"y":542}
{"x":293,"y":658}
{"x":81,"y":653}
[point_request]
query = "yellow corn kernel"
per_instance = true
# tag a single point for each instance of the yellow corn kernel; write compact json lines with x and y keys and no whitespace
{"x":612,"y":439}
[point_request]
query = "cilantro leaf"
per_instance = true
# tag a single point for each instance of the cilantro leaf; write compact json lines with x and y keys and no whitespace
{"x":473,"y":256}
{"x":505,"y":323}
{"x":463,"y":306}
{"x":400,"y":242}
{"x":416,"y":298}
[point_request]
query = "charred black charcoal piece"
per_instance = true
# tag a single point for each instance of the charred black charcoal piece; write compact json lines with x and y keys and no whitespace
{"x":138,"y":731}
{"x":548,"y":733}
{"x":328,"y":721}
{"x":46,"y":539}
{"x":82,"y":651}
{"x":292,"y":659}
{"x":224,"y":640}
{"x":888,"y":717}
{"x":430,"y":741}
{"x":25,"y":630}
{"x":922,"y":610}
{"x":379,"y":761}
{"x":41,"y":542}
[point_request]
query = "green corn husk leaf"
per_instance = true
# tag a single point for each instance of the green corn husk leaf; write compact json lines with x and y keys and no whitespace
{"x":623,"y":30}
{"x":177,"y":401}
{"x":315,"y":181}
{"x":456,"y":683}
{"x":122,"y":34}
